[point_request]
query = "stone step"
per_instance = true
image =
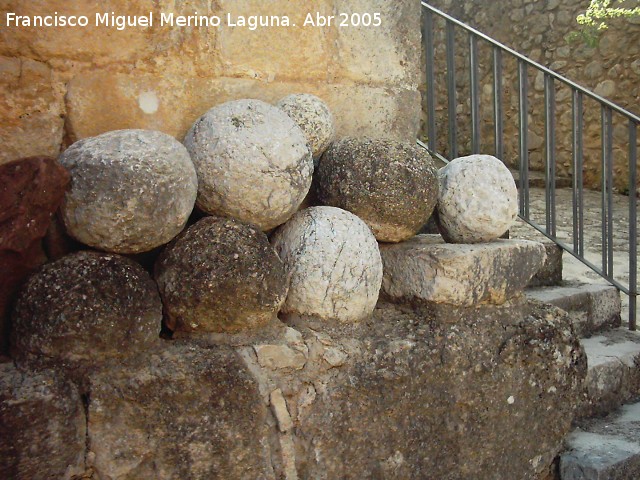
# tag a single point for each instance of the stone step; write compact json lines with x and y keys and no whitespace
{"x":613,"y":375}
{"x":550,"y":274}
{"x":604,"y":448}
{"x":592,"y":308}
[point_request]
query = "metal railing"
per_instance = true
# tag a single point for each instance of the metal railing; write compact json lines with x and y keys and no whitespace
{"x":499,"y":53}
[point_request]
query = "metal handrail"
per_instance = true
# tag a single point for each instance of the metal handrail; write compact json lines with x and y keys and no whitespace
{"x":607,"y":108}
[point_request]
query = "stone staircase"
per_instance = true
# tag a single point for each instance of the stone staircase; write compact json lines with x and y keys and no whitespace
{"x":605,"y":443}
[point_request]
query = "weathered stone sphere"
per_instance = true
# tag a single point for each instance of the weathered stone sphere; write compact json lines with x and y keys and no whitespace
{"x":131,"y":190}
{"x":478,"y":200}
{"x":392,"y":186}
{"x":334,"y":263}
{"x":221,"y":276}
{"x":85,"y":309}
{"x":314,"y":118}
{"x":253,"y":162}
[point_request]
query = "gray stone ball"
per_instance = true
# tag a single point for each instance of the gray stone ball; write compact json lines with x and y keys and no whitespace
{"x":391,"y":185}
{"x":83,"y":310}
{"x":314,"y":118}
{"x":131,"y":190}
{"x":253,"y":162}
{"x":478,"y":200}
{"x":220,"y":276}
{"x":334,"y":262}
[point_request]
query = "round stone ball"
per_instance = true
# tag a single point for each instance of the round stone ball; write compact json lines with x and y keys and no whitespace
{"x":85,"y":309}
{"x":253,"y":162}
{"x":478,"y":200}
{"x":392,"y":186}
{"x":314,"y":118}
{"x":334,"y":263}
{"x":220,"y":276}
{"x":131,"y":190}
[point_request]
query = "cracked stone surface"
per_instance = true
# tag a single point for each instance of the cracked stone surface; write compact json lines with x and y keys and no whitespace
{"x":42,"y":426}
{"x":83,"y":310}
{"x":391,"y":185}
{"x":220,"y":275}
{"x":426,"y":269}
{"x":131,"y":190}
{"x":252,"y":160}
{"x":315,"y":119}
{"x":478,"y":199}
{"x":334,"y":262}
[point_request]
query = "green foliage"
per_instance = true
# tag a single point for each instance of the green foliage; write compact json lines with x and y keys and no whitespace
{"x":594,"y":20}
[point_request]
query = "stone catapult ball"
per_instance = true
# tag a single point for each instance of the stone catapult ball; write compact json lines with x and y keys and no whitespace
{"x":131,"y":190}
{"x":253,"y":162}
{"x":391,"y":185}
{"x":334,"y":263}
{"x":84,"y":309}
{"x":478,"y":200}
{"x":220,"y":276}
{"x":315,"y":119}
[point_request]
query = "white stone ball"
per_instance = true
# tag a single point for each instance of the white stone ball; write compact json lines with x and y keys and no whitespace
{"x":334,"y":263}
{"x":131,"y":190}
{"x":478,"y":199}
{"x":314,"y":118}
{"x":253,"y":162}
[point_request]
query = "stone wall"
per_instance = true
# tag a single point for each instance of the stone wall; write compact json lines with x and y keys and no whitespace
{"x":63,"y":84}
{"x":538,"y":29}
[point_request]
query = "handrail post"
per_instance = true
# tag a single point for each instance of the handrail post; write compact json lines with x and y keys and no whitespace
{"x":474,"y":93}
{"x":523,"y":82}
{"x":451,"y":90}
{"x":429,"y":47}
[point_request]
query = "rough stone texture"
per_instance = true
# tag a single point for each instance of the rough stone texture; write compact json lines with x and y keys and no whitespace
{"x":478,"y":199}
{"x":539,"y":31}
{"x":604,"y":449}
{"x":390,"y":185}
{"x":334,"y":262}
{"x":131,"y":190}
{"x":426,"y":269}
{"x":32,"y":189}
{"x":83,"y":310}
{"x":184,"y":412}
{"x":42,"y":426}
{"x":253,"y":162}
{"x":417,"y":392}
{"x":315,"y":119}
{"x":550,"y":273}
{"x":220,"y":275}
{"x":613,"y":377}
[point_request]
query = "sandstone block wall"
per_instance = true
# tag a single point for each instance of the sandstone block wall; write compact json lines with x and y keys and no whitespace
{"x":63,"y":84}
{"x":538,"y":30}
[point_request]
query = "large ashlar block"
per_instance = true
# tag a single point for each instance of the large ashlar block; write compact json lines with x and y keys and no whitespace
{"x":429,"y":270}
{"x":31,"y":110}
{"x":98,"y":102}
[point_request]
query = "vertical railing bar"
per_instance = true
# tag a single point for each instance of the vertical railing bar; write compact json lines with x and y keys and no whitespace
{"x":609,"y":115}
{"x":574,"y":168}
{"x":474,"y":93}
{"x":524,"y":132}
{"x":580,"y":163}
{"x":451,"y":90}
{"x":497,"y":103}
{"x":633,"y":227}
{"x":550,"y":154}
{"x":429,"y":47}
{"x":603,"y":187}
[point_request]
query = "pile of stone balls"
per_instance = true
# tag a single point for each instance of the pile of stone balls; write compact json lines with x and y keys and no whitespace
{"x":247,"y":166}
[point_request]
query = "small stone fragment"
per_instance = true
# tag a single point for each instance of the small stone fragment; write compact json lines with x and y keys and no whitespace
{"x":42,"y":426}
{"x":478,"y":199}
{"x":279,"y":407}
{"x":131,"y":190}
{"x":334,"y":262}
{"x":279,"y":357}
{"x":313,"y":116}
{"x":391,"y":185}
{"x":83,"y":310}
{"x":334,"y":356}
{"x":253,"y":162}
{"x":219,"y":276}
